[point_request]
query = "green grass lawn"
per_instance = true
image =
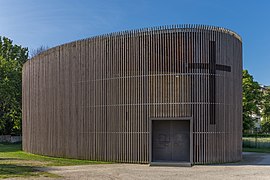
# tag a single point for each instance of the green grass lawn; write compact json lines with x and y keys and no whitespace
{"x":16,"y":163}
{"x":259,"y":139}
{"x":260,"y":142}
{"x":259,"y":150}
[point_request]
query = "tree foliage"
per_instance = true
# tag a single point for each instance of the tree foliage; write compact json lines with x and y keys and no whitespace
{"x":37,"y":51}
{"x":266,"y":104}
{"x":12,"y":58}
{"x":10,"y":51}
{"x":252,"y":100}
{"x":265,"y":124}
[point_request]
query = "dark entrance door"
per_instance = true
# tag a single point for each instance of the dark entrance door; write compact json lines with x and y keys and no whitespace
{"x":170,"y":141}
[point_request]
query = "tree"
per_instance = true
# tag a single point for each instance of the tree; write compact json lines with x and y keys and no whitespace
{"x":265,"y":124}
{"x":35,"y":52}
{"x":11,"y":51}
{"x":252,"y":100}
{"x":12,"y":58}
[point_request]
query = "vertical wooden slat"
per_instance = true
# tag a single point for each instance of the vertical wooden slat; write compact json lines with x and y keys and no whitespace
{"x":92,"y":99}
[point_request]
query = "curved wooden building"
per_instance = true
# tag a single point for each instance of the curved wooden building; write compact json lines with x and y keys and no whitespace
{"x":167,"y":94}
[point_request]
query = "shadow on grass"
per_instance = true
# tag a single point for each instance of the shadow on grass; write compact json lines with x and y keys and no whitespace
{"x":14,"y":171}
{"x":11,"y":170}
{"x":10,"y":147}
{"x":9,"y":159}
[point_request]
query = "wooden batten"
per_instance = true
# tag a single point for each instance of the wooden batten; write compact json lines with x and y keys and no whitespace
{"x":93,"y":98}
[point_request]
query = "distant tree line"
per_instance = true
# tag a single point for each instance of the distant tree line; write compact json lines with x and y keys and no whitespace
{"x":37,"y":51}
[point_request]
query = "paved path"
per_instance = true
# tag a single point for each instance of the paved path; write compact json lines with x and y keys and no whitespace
{"x":255,"y":166}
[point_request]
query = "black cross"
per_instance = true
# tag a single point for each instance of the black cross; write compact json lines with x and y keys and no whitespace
{"x":213,"y":67}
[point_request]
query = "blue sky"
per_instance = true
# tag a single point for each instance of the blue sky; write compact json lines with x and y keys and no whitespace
{"x":32,"y":23}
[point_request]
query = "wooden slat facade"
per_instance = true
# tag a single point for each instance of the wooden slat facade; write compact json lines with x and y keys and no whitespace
{"x":93,"y":98}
